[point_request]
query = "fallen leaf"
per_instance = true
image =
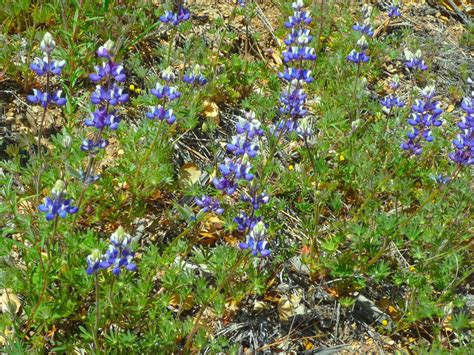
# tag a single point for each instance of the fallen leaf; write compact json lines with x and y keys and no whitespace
{"x":288,"y":306}
{"x":211,"y":111}
{"x":9,"y":302}
{"x":188,"y":175}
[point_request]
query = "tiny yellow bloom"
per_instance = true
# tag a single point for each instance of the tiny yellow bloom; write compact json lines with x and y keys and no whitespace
{"x":291,"y":168}
{"x":412,"y":268}
{"x":132,"y":87}
{"x":384,"y":322}
{"x":342,"y":157}
{"x":138,"y":91}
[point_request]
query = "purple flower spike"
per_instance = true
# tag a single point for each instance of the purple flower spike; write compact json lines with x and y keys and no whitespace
{"x":464,"y":142}
{"x":364,"y":28}
{"x":357,"y":57}
{"x":255,"y":242}
{"x":117,"y":256}
{"x":424,"y":115}
{"x":208,"y":204}
{"x":57,"y":205}
{"x":414,"y":60}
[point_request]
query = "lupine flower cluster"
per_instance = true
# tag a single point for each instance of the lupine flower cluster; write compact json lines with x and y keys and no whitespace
{"x":118,"y":255}
{"x":255,"y":241}
{"x":108,"y":93}
{"x":175,"y":19}
{"x":394,"y":9}
{"x":293,"y":98}
{"x":414,"y":60}
{"x":464,"y":143}
{"x":425,"y":114}
{"x":393,"y":100}
{"x":195,"y":77}
{"x":365,"y":28}
{"x":208,"y":204}
{"x":57,"y":205}
{"x":237,"y":178}
{"x":49,"y":67}
{"x":166,"y":94}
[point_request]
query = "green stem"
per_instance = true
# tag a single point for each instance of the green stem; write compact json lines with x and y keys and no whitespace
{"x":97,"y":314}
{"x":314,"y":244}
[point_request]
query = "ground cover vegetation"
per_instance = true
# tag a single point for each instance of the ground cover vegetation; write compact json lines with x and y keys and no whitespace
{"x":241,"y":176}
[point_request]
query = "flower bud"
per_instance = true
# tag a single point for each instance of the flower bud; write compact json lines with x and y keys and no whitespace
{"x":106,"y":50}
{"x":362,"y":43}
{"x":59,"y":188}
{"x":259,"y":230}
{"x":47,"y":43}
{"x":67,"y":141}
{"x":168,"y":74}
{"x":197,"y":70}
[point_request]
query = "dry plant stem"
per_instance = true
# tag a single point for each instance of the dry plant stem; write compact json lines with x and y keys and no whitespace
{"x":225,"y":281}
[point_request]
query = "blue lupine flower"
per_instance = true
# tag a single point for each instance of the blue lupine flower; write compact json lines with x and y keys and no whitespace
{"x":93,"y":262}
{"x":256,"y":200}
{"x":299,"y":17}
{"x":245,"y":222}
{"x":290,"y":74}
{"x":357,"y":57}
{"x":89,"y":145}
{"x":295,"y":53}
{"x":44,"y":98}
{"x":240,"y":145}
{"x":42,"y":66}
{"x":118,"y":254}
{"x":464,"y":142}
{"x":364,"y":28}
{"x":175,"y":18}
{"x":114,"y":96}
{"x":425,"y":114}
{"x":100,"y":118}
{"x":414,"y":60}
{"x":394,"y":9}
{"x":441,"y":179}
{"x":208,"y":203}
{"x":165,"y":91}
{"x":299,"y":36}
{"x":47,"y":66}
{"x":255,"y":241}
{"x":108,"y":69}
{"x":57,"y":205}
{"x":195,"y":77}
{"x":391,"y":101}
{"x":249,"y":126}
{"x":224,"y":185}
